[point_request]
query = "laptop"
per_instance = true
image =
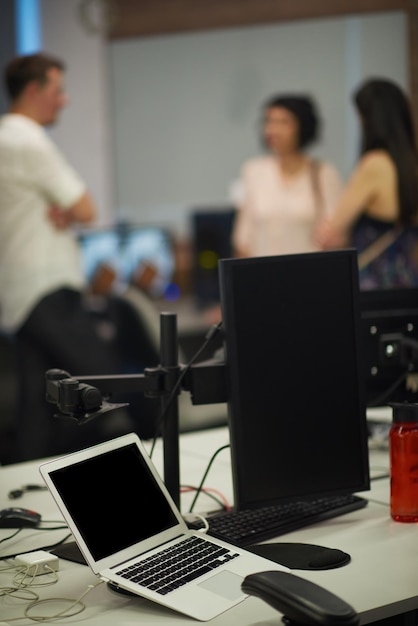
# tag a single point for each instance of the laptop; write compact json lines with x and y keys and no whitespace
{"x":131,"y":533}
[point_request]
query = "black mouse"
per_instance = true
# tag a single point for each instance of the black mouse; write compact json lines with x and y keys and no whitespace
{"x":16,"y":517}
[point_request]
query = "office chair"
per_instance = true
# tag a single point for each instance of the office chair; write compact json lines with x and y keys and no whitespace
{"x":8,"y":393}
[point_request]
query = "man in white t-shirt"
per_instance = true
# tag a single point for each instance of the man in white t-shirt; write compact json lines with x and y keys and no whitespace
{"x":41,"y":279}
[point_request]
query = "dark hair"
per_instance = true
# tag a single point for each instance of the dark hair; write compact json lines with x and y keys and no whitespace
{"x":303,"y":108}
{"x":20,"y":71}
{"x":387,"y":125}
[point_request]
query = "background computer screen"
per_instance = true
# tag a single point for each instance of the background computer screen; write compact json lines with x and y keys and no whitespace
{"x":141,"y":255}
{"x":296,"y":408}
{"x":211,"y":231}
{"x":147,"y":251}
{"x":99,"y":246}
{"x":388,"y":312}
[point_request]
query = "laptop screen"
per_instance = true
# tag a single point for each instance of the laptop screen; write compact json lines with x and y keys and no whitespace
{"x":114,"y":500}
{"x":296,"y":407}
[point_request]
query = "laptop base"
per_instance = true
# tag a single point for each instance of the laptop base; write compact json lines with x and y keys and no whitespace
{"x":114,"y":587}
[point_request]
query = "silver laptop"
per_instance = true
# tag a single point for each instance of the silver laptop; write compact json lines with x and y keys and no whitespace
{"x":132,"y":534}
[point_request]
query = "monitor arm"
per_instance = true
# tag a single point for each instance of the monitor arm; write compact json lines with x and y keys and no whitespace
{"x":82,"y":398}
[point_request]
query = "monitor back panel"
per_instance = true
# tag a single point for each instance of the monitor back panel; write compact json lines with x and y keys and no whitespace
{"x":296,"y":407}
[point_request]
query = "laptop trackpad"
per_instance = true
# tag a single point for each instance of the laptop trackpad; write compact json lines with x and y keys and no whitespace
{"x":225,"y":584}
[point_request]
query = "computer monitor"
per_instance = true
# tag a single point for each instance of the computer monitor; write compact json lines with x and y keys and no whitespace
{"x":147,"y":258}
{"x":296,"y":407}
{"x":99,"y":246}
{"x":137,"y":254}
{"x":211,"y":236}
{"x":388,"y":317}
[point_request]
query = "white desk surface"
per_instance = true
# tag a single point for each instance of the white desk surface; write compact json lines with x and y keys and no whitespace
{"x":380,"y":581}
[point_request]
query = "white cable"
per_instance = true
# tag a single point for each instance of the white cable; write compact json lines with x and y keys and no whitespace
{"x":64,"y":612}
{"x":26,"y":577}
{"x":18,"y":593}
{"x":22,"y":592}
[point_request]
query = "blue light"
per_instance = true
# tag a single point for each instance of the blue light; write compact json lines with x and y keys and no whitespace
{"x":172,"y":292}
{"x":28,"y":26}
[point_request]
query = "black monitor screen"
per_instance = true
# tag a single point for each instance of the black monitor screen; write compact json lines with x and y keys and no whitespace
{"x":389,"y":322}
{"x":296,"y":408}
{"x":211,"y":236}
{"x":98,"y":493}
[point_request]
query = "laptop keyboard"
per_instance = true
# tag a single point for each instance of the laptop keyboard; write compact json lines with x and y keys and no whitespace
{"x":246,"y":527}
{"x":175,"y":566}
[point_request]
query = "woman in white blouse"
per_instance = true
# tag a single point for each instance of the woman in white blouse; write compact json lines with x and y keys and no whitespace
{"x":284,"y":193}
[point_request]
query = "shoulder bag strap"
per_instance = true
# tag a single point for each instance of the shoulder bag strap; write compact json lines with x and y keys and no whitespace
{"x":382,"y":243}
{"x":314,"y":168}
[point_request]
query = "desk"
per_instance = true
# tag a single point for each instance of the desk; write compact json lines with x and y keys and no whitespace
{"x":381,"y":581}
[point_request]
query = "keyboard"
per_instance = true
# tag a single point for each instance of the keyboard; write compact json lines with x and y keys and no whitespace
{"x":250,"y":526}
{"x":177,"y":565}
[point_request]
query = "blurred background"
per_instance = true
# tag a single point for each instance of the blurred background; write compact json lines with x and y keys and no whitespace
{"x":165,"y":101}
{"x":164,"y":108}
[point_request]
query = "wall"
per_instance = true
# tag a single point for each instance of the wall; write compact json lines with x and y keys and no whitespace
{"x":84,"y":130}
{"x":161,"y":124}
{"x":185,"y":107}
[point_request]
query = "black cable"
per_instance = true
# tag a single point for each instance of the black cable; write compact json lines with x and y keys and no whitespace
{"x":11,"y":536}
{"x":209,"y":336}
{"x":18,"y":493}
{"x":199,"y":489}
{"x":46,"y":548}
{"x":380,"y":400}
{"x":380,"y":477}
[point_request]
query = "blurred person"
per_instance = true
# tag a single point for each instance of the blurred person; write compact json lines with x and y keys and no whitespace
{"x":41,"y":280}
{"x":284,"y":193}
{"x":377,"y":212}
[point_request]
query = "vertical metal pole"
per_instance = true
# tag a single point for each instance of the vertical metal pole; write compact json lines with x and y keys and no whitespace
{"x":169,"y":361}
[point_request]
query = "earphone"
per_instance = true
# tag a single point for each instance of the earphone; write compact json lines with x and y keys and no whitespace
{"x":18,"y":493}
